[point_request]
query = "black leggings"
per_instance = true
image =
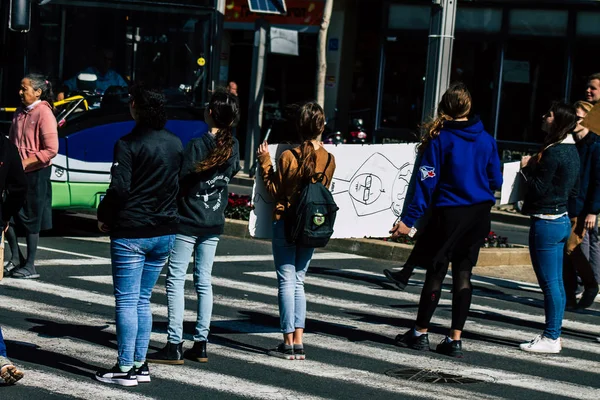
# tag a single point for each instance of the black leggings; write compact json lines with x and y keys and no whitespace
{"x":461,"y":297}
{"x":454,"y":235}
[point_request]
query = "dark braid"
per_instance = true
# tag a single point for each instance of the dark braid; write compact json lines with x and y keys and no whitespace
{"x":225,"y":112}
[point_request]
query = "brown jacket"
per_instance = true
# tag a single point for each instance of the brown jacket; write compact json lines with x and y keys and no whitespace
{"x":281,"y":184}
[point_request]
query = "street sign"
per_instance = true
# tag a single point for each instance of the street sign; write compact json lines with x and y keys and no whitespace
{"x":284,"y":41}
{"x":267,"y":6}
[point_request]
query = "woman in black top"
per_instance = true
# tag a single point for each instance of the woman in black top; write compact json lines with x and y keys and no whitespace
{"x":14,"y":183}
{"x":551,"y":178}
{"x":209,"y":163}
{"x":140,"y":212}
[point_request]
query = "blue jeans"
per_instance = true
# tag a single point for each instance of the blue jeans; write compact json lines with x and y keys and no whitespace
{"x":291,"y":264}
{"x":2,"y":345}
{"x":204,"y":249}
{"x":547,"y":240}
{"x":136,"y":266}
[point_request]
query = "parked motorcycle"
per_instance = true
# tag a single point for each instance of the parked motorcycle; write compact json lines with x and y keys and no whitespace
{"x":357,"y":132}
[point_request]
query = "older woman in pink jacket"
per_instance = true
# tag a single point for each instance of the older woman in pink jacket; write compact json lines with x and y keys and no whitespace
{"x":35,"y":133}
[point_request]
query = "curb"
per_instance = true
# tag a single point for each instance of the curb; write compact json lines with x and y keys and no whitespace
{"x":510,"y":218}
{"x":373,"y":248}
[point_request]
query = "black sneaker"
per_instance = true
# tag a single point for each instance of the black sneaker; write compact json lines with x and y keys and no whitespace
{"x":171,"y":354}
{"x":587,"y":298}
{"x":284,"y":351}
{"x":143,"y":373}
{"x":400,"y":278}
{"x":197,"y":352}
{"x":299,"y":352}
{"x":411,"y":341}
{"x":117,"y":377}
{"x":452,"y":349}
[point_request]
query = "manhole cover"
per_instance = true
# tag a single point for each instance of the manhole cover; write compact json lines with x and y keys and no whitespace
{"x":430,"y":376}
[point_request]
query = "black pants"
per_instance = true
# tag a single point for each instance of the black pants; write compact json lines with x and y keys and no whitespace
{"x":575,"y":262}
{"x":461,"y":232}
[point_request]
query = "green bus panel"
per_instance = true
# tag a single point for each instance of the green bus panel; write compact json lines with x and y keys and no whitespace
{"x":77,"y":195}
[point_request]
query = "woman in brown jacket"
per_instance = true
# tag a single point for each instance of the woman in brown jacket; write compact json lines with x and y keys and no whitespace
{"x":284,"y":184}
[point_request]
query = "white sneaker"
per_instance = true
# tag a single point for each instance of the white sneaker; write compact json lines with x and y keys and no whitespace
{"x":542,"y":344}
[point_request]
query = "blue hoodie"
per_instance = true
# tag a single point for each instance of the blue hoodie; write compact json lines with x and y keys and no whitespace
{"x":460,"y":167}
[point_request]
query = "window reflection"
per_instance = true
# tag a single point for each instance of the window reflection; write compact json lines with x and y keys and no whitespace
{"x":404,"y":85}
{"x":534,"y":72}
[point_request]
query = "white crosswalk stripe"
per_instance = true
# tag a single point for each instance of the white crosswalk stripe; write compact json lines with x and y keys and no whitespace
{"x":340,"y":310}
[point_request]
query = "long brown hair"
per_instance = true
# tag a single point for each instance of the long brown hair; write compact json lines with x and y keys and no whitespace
{"x":456,"y":103}
{"x":310,"y":124}
{"x":565,"y":121}
{"x":224,"y":110}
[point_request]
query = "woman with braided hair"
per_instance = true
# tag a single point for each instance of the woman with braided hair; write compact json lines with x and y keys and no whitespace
{"x":458,"y":172}
{"x":209,"y":163}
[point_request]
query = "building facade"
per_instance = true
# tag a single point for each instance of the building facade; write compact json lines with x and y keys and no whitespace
{"x":515,"y":56}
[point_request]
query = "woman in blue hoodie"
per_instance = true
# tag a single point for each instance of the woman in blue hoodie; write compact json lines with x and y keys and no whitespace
{"x":458,"y":172}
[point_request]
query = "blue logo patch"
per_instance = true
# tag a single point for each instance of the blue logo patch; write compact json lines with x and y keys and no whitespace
{"x":427,"y":172}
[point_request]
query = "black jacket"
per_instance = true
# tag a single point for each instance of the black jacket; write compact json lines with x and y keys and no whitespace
{"x":588,"y":198}
{"x":552,"y":181}
{"x":12,"y":181}
{"x":141,"y":201}
{"x":203,"y":196}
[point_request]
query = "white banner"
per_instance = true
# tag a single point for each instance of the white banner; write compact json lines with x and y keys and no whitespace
{"x":513,"y":188}
{"x":369,"y":186}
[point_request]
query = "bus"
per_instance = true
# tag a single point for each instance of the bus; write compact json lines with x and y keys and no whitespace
{"x":170,"y":44}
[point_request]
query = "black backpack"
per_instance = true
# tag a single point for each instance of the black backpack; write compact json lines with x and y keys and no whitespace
{"x":309,"y":222}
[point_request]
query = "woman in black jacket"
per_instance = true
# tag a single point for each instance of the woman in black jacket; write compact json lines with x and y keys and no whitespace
{"x":140,"y":212}
{"x":14,"y":183}
{"x":551,"y":178}
{"x":209,"y":163}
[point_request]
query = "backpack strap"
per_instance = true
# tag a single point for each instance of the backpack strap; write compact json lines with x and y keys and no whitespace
{"x":318,"y":176}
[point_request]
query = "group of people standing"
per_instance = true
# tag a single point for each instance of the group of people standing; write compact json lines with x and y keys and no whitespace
{"x":458,"y":172}
{"x":166,"y":204}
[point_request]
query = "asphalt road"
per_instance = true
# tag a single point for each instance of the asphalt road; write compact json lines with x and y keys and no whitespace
{"x":60,"y":329}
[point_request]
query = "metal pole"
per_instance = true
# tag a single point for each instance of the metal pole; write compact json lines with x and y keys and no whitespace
{"x":439,"y":57}
{"x":61,"y":57}
{"x":216,"y":45}
{"x":499,"y":84}
{"x":257,"y":91}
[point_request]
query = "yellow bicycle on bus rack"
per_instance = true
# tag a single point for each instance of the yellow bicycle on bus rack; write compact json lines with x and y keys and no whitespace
{"x":73,"y":103}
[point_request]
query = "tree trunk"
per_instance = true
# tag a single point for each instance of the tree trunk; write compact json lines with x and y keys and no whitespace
{"x":322,"y":53}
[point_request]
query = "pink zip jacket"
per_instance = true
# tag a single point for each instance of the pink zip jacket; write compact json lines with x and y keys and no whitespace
{"x":35,"y":133}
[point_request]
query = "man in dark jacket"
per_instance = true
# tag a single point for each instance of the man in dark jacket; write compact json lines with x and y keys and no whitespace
{"x":583,"y":211}
{"x":14,"y":184}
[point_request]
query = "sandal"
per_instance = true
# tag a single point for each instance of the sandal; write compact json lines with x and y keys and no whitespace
{"x":23,"y":273}
{"x":10,"y":374}
{"x":9,"y":268}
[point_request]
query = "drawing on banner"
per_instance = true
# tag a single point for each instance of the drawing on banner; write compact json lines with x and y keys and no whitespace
{"x":377,"y":186}
{"x":370,"y":185}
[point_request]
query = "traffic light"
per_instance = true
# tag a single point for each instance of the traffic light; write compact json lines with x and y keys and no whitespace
{"x":20,"y":15}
